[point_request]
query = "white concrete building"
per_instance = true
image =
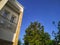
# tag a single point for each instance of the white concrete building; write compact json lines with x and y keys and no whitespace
{"x":11,"y":12}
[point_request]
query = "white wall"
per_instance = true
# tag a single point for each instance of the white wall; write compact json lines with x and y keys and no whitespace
{"x":6,"y":35}
{"x":10,"y":13}
{"x":2,"y":3}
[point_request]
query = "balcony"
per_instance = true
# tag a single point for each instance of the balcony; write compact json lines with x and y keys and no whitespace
{"x":6,"y":24}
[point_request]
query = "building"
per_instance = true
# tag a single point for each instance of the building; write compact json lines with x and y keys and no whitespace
{"x":11,"y":12}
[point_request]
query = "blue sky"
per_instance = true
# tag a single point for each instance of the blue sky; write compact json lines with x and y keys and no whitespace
{"x":43,"y":11}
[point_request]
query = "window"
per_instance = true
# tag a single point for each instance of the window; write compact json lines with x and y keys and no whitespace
{"x":5,"y":13}
{"x":12,"y":19}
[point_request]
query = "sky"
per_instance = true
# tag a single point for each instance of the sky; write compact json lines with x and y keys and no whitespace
{"x":43,"y":11}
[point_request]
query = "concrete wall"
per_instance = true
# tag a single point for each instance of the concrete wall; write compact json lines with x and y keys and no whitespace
{"x":11,"y":13}
{"x":2,"y":3}
{"x":4,"y":42}
{"x":6,"y":34}
{"x":15,"y":39}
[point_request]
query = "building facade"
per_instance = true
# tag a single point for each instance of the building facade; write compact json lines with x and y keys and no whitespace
{"x":11,"y":12}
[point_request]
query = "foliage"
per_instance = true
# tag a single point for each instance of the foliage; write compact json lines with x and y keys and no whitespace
{"x":57,"y":34}
{"x":35,"y":35}
{"x":19,"y":42}
{"x":51,"y":42}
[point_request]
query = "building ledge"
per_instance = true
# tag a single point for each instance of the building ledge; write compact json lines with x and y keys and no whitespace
{"x":13,"y":6}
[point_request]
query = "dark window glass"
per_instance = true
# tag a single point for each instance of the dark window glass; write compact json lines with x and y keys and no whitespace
{"x":12,"y":19}
{"x":5,"y":13}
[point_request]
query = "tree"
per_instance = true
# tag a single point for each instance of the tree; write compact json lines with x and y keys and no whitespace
{"x":35,"y":35}
{"x":19,"y":42}
{"x":51,"y":42}
{"x":57,"y":34}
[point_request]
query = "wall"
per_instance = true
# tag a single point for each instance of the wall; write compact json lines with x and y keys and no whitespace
{"x":2,"y":3}
{"x":11,"y":13}
{"x":6,"y":34}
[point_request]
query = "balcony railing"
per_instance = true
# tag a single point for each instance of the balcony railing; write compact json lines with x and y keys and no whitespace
{"x":6,"y":24}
